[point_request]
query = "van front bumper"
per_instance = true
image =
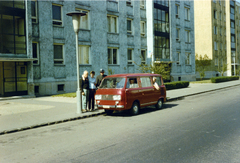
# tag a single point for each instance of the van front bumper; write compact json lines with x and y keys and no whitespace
{"x":111,"y":106}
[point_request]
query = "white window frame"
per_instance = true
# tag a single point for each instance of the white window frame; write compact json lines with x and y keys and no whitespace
{"x":59,"y":60}
{"x":188,"y":59}
{"x":143,"y":28}
{"x":81,"y":56}
{"x":87,"y":12}
{"x":34,"y":17}
{"x":177,"y":10}
{"x":142,"y":4}
{"x":130,"y":32}
{"x":178,"y":58}
{"x":215,"y":45}
{"x":37,"y":53}
{"x":58,"y":21}
{"x":187,"y":36}
{"x":215,"y":30}
{"x":143,"y":60}
{"x":178,"y":34}
{"x":130,"y":61}
{"x":112,"y":28}
{"x":129,"y":2}
{"x":187,"y":13}
{"x":111,"y":51}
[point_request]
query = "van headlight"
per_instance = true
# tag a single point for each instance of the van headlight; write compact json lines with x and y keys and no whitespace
{"x":117,"y":97}
{"x":98,"y":97}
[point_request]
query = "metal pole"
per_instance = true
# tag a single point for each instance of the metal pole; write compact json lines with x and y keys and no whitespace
{"x":234,"y":67}
{"x":78,"y":93}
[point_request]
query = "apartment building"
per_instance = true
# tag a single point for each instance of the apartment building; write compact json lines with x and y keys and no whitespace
{"x":171,"y":36}
{"x":38,"y":54}
{"x":216,"y":31}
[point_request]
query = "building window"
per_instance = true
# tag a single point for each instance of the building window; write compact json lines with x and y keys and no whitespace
{"x":142,"y":23}
{"x":188,"y":59}
{"x":215,"y":14}
{"x":35,"y":52}
{"x":233,"y":41}
{"x":143,"y":56}
{"x":187,"y":14}
{"x":220,"y":31}
{"x":177,"y":11}
{"x":36,"y":89}
{"x":215,"y":45}
{"x":129,"y":2}
{"x":187,"y":36}
{"x":214,"y":1}
{"x":177,"y":34}
{"x":129,"y":26}
{"x":112,"y":24}
{"x":220,"y":2}
{"x":34,"y":11}
{"x":161,"y":20}
{"x":215,"y":30}
{"x":60,"y":87}
{"x":130,"y":56}
{"x":161,"y":48}
{"x":57,"y":14}
{"x":58,"y":54}
{"x":220,"y":15}
{"x":142,"y":4}
{"x":83,"y":52}
{"x":112,"y":56}
{"x":84,"y":20}
{"x":178,"y":58}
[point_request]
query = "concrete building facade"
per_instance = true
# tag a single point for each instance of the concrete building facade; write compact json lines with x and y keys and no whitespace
{"x":112,"y":36}
{"x":216,"y":33}
{"x":171,"y":36}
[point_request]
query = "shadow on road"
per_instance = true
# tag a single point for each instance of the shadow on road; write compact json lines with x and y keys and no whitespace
{"x":125,"y":113}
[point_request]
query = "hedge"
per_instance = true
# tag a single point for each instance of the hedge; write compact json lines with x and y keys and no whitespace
{"x":224,"y":79}
{"x":177,"y":85}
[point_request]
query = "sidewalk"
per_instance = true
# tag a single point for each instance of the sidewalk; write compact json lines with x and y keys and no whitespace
{"x":27,"y":112}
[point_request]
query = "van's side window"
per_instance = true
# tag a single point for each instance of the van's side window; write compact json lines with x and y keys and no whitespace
{"x":146,"y":82}
{"x":158,"y":81}
{"x":132,"y":83}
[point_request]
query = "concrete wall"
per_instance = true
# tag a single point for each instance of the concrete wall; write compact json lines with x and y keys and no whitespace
{"x":47,"y":75}
{"x":181,"y":70}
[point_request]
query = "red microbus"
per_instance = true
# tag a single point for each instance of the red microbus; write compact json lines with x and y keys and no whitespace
{"x":130,"y":92}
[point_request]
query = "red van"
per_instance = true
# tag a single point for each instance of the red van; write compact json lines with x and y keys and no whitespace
{"x":130,"y":92}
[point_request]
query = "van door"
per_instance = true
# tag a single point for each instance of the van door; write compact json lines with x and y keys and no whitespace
{"x":132,"y":92}
{"x":147,"y":91}
{"x":157,"y":84}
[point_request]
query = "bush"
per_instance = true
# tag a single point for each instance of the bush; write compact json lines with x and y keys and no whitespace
{"x":224,"y":79}
{"x":177,"y":85}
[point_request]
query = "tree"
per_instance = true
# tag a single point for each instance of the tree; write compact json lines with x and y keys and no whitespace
{"x":202,"y":64}
{"x":162,"y":68}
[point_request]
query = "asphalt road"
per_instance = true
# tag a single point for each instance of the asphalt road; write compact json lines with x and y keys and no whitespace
{"x":203,"y":128}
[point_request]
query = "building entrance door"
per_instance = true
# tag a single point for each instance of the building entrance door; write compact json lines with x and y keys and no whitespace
{"x":14,"y":78}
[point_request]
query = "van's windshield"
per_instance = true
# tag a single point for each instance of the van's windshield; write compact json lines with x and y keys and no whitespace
{"x":113,"y":83}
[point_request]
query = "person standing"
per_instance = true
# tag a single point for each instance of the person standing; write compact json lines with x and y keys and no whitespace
{"x":100,"y":77}
{"x":84,"y":86}
{"x":92,"y":89}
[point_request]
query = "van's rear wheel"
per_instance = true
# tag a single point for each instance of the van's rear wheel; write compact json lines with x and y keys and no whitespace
{"x":135,"y":108}
{"x":108,"y":112}
{"x":159,"y":104}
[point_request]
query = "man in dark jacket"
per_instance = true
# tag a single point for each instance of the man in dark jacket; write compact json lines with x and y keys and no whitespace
{"x":100,"y":77}
{"x":84,"y":86}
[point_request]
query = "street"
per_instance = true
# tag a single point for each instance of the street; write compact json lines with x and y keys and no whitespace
{"x":201,"y":128}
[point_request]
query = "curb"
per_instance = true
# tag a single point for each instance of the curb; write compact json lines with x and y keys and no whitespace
{"x":97,"y":114}
{"x":50,"y":123}
{"x":193,"y":94}
{"x":17,"y":97}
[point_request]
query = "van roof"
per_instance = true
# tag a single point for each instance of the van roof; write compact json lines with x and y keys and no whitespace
{"x":133,"y":75}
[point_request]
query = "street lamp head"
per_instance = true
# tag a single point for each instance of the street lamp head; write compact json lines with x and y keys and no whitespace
{"x":76,"y":19}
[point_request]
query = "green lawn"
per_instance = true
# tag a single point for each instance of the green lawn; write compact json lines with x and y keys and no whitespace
{"x":201,"y":82}
{"x":66,"y":95}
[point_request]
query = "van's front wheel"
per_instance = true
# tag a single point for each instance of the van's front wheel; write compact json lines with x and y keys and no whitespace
{"x":159,"y":104}
{"x":108,"y":112}
{"x":135,"y":109}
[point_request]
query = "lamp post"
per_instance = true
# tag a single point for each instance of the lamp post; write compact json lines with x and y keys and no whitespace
{"x":76,"y":25}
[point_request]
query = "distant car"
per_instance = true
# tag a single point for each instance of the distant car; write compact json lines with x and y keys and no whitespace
{"x":130,"y":92}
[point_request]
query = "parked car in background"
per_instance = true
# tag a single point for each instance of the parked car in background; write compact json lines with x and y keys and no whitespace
{"x":130,"y":92}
